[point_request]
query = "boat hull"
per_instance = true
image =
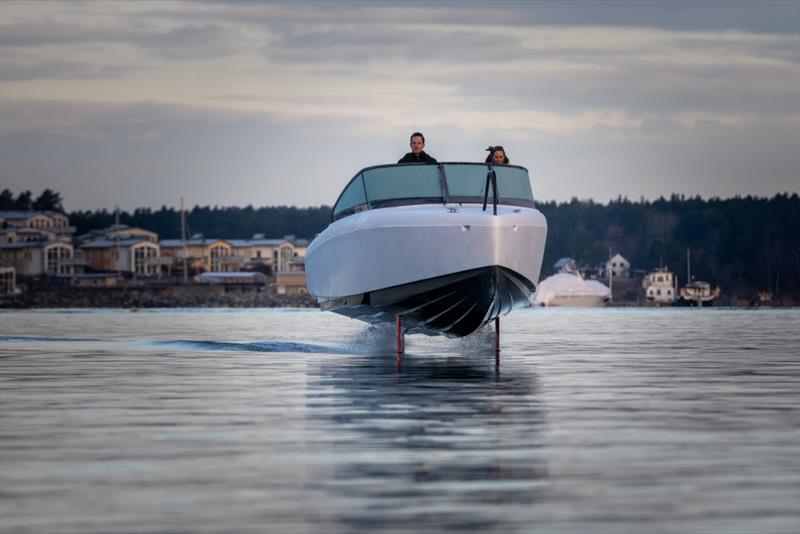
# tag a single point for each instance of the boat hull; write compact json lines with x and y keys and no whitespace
{"x":454,"y":305}
{"x":430,"y":263}
{"x":390,"y":247}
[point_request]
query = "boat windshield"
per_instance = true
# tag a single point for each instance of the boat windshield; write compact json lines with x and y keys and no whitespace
{"x":399,"y":185}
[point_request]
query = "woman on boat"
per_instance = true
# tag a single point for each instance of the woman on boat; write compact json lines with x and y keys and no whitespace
{"x":497,"y":155}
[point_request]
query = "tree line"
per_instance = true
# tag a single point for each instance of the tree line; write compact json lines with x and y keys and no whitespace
{"x":49,"y":200}
{"x":743,"y":244}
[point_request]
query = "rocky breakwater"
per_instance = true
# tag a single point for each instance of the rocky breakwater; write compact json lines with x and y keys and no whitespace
{"x":157,"y":296}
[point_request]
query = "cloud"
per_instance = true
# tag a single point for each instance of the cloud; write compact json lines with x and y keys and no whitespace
{"x":17,"y":71}
{"x":149,"y":155}
{"x":38,"y":34}
{"x":180,"y":41}
{"x":349,"y":44}
{"x":283,"y":101}
{"x":769,"y":16}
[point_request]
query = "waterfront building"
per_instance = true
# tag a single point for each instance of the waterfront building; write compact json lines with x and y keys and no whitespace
{"x":295,"y":264}
{"x":36,"y":243}
{"x":33,"y":227}
{"x":660,"y":286}
{"x":278,"y":254}
{"x":566,"y":265}
{"x":8,"y":281}
{"x":138,"y":256}
{"x":230,"y":255}
{"x":291,"y":283}
{"x":94,"y":280}
{"x":618,"y":266}
{"x":122,"y":248}
{"x":241,"y":251}
{"x":292,"y":279}
{"x":233,"y":278}
{"x":35,"y":258}
{"x":24,"y":234}
{"x":222,"y":257}
{"x":118,"y":231}
{"x":52,"y":221}
{"x":191,"y":252}
{"x":8,"y":235}
{"x":202,"y":254}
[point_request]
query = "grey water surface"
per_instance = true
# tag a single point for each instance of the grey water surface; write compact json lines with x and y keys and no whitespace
{"x":606,"y":420}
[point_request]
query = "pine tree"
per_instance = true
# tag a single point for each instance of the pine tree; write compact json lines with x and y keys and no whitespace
{"x":49,"y":200}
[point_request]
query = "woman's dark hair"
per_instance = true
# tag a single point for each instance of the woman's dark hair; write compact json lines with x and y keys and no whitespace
{"x":492,"y":150}
{"x":417,"y":134}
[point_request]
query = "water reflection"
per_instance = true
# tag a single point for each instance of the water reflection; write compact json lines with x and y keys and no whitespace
{"x":598,"y":421}
{"x":437,"y":441}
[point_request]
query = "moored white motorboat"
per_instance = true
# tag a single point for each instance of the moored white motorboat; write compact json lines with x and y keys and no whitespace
{"x":570,"y":289}
{"x":429,"y":243}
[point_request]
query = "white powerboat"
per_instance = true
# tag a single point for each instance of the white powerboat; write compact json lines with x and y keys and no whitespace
{"x":571,"y":290}
{"x":448,"y":247}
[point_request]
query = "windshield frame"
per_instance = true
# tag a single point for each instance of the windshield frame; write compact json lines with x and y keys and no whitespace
{"x":445,"y":198}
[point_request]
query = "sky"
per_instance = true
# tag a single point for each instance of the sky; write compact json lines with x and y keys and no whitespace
{"x":138,"y":104}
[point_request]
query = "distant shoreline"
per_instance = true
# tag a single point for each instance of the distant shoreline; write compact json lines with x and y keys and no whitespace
{"x":169,"y":296}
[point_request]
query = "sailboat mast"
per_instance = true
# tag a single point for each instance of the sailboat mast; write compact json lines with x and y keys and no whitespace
{"x":688,"y":267}
{"x":183,"y":239}
{"x":116,"y":239}
{"x":610,"y":278}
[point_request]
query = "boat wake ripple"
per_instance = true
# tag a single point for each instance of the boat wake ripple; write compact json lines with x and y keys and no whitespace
{"x":51,"y":338}
{"x":255,"y":346}
{"x":229,"y":346}
{"x":371,"y":339}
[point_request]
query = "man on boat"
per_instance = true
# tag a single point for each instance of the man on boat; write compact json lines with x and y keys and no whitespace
{"x":417,"y":154}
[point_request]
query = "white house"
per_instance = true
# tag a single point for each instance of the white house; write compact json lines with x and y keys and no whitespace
{"x":660,"y":286}
{"x":619,"y":267}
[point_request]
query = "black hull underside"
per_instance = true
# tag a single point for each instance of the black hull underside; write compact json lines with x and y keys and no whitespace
{"x":455,"y":305}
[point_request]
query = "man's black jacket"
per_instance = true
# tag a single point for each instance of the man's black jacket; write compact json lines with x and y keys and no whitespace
{"x":422,"y":157}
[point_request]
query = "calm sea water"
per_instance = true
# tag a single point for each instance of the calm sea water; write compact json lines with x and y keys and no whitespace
{"x":615,"y":420}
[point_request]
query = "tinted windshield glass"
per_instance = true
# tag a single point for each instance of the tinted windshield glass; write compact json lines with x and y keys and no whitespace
{"x":466,"y":180}
{"x":352,"y":196}
{"x":393,"y":185}
{"x":406,"y":181}
{"x":513,"y":183}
